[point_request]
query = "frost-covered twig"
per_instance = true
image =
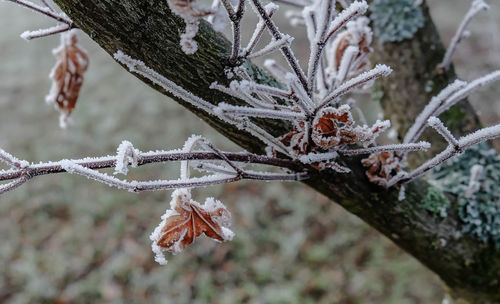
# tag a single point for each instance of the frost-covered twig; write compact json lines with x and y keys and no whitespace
{"x":476,"y":7}
{"x":436,"y":102}
{"x":274,"y":45}
{"x":421,"y":146}
{"x":380,"y":70}
{"x":235,"y":17}
{"x":25,"y":171}
{"x":447,"y":98}
{"x":326,"y":29}
{"x":467,"y":90}
{"x":270,"y":8}
{"x":12,"y":161}
{"x":46,"y":10}
{"x":56,"y":29}
{"x":224,"y":108}
{"x":460,"y":145}
{"x":277,"y":35}
{"x":443,"y":131}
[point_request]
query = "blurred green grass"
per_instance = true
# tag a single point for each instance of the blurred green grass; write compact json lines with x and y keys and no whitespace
{"x":66,"y":239}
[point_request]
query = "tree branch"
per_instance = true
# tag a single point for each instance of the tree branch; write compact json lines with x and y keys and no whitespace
{"x":149,"y":32}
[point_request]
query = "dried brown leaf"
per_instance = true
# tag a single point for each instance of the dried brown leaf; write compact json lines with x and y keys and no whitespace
{"x":188,"y":219}
{"x":67,"y":75}
{"x":382,"y":167}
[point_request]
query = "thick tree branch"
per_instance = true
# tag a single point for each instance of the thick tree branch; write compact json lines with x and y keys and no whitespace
{"x":148,"y":31}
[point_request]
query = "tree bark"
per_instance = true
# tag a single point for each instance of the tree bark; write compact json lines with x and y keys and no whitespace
{"x":148,"y":31}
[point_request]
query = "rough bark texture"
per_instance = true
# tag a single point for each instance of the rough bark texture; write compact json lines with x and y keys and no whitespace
{"x":148,"y":31}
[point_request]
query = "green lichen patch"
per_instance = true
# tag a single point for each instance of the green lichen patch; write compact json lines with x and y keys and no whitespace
{"x":436,"y":202}
{"x":480,"y":213}
{"x":396,"y":20}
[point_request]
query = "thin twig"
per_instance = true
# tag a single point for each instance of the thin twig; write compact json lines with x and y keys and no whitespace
{"x":286,"y":50}
{"x":476,"y":7}
{"x":43,"y":10}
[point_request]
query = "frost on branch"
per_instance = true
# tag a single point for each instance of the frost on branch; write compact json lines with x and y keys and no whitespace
{"x":67,"y":76}
{"x":191,"y":11}
{"x":187,"y":219}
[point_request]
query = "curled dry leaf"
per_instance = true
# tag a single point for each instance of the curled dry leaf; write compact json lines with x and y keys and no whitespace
{"x":358,"y":34}
{"x":188,"y":219}
{"x":335,"y":126}
{"x":67,"y":76}
{"x":382,"y":167}
{"x":296,"y":139}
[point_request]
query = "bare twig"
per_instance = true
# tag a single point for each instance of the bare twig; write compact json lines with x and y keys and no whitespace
{"x":476,"y":7}
{"x":286,"y":50}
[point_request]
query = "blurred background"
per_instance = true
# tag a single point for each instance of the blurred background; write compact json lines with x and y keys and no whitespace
{"x":66,"y":239}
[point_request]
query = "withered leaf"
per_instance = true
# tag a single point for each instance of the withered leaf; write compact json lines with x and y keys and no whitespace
{"x":188,"y":219}
{"x":381,"y":167}
{"x":67,"y":75}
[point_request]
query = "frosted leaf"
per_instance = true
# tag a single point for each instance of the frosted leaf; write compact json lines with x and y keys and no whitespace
{"x":358,"y":34}
{"x":382,"y":167}
{"x":67,"y":76}
{"x":335,"y":126}
{"x":188,"y":219}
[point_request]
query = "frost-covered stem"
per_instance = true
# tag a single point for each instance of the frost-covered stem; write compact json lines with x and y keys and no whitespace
{"x":463,"y":143}
{"x":259,"y":88}
{"x":379,"y":71}
{"x":467,"y":90}
{"x":325,"y":31}
{"x":137,"y":66}
{"x":272,"y":46}
{"x":421,"y":146}
{"x":443,"y":131}
{"x":139,"y":186}
{"x":13,"y":184}
{"x":319,"y":42}
{"x":224,"y":108}
{"x":235,"y":17}
{"x":259,"y":30}
{"x":346,"y":64}
{"x":286,"y":50}
{"x":476,"y":7}
{"x":47,"y":11}
{"x":436,"y":102}
{"x":145,"y":158}
{"x":10,"y":160}
{"x":60,"y":28}
{"x":355,"y":9}
{"x":222,"y":156}
{"x":299,"y":95}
